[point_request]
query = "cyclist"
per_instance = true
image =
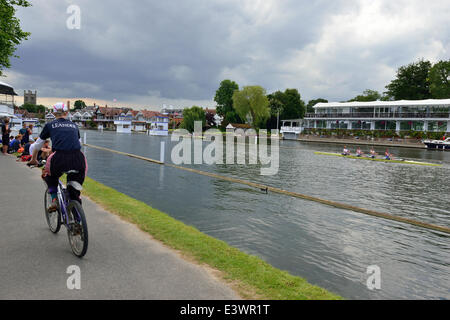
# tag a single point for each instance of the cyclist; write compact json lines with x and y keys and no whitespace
{"x":66,"y":156}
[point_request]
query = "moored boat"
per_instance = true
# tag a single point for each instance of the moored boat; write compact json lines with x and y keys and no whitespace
{"x":438,"y":144}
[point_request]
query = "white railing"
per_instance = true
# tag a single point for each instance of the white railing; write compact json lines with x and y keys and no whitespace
{"x":291,"y":129}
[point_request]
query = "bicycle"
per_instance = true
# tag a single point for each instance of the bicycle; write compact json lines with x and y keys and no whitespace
{"x":71,"y":214}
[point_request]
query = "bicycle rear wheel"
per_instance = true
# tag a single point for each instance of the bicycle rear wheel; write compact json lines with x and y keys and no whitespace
{"x":77,"y":230}
{"x":53,"y":218}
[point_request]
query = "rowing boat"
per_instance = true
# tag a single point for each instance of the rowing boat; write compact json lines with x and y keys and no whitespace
{"x":381,"y":160}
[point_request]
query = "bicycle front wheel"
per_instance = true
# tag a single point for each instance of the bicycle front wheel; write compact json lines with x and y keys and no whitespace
{"x":53,"y":218}
{"x":77,"y":230}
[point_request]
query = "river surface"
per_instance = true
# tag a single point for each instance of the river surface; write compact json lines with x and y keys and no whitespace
{"x":330,"y":247}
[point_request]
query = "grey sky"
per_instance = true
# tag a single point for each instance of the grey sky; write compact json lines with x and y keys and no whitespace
{"x":151,"y":52}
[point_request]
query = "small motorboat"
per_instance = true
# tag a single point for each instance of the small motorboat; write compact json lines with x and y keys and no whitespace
{"x":438,"y":144}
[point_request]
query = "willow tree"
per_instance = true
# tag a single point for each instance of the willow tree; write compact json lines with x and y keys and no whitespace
{"x":11,"y":35}
{"x":251,"y":104}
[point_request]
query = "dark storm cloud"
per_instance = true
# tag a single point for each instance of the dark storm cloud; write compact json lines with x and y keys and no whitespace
{"x":183,"y":49}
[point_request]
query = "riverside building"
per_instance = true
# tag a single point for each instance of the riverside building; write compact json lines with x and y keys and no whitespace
{"x":403,"y":115}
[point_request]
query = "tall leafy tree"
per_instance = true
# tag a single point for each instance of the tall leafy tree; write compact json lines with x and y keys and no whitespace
{"x":411,"y":83}
{"x":276,"y":105}
{"x":190,"y":115}
{"x":312,"y":103}
{"x":440,"y":80}
{"x":252,"y":104}
{"x":368,"y":95}
{"x":32,"y":108}
{"x":79,"y":104}
{"x":210,"y":120}
{"x":224,"y":100}
{"x":11,"y":34}
{"x":294,"y":106}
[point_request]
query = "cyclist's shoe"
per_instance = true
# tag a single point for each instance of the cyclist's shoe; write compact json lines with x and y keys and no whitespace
{"x":53,"y":207}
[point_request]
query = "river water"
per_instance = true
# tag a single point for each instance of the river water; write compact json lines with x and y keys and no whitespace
{"x":330,"y":247}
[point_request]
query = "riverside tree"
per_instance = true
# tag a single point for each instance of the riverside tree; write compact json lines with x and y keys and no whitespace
{"x":252,"y":104}
{"x":32,"y":108}
{"x":411,"y":83}
{"x":224,"y":100}
{"x":288,"y":103}
{"x":210,"y":119}
{"x":79,"y":104}
{"x":276,"y":108}
{"x":367,"y":96}
{"x":294,"y":106}
{"x":11,"y":34}
{"x":312,"y":103}
{"x":190,"y":115}
{"x":440,"y":80}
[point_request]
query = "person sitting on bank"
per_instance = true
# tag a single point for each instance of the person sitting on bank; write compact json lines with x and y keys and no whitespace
{"x":26,"y":151}
{"x":345,"y":152}
{"x":16,"y":144}
{"x":43,"y":153}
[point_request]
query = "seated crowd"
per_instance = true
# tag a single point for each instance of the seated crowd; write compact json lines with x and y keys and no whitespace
{"x":24,"y":149}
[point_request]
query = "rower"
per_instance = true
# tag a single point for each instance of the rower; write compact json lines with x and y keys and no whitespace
{"x":359,"y":153}
{"x":345,"y":152}
{"x":387,"y":155}
{"x":372,"y":153}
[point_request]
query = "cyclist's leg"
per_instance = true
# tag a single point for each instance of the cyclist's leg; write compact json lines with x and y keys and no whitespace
{"x":75,"y":180}
{"x":51,"y":175}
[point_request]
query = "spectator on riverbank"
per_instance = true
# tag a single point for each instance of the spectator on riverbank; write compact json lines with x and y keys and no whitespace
{"x":26,"y":151}
{"x":23,"y":130}
{"x":26,"y":136}
{"x":16,"y":144}
{"x":6,"y":130}
{"x":44,"y":153}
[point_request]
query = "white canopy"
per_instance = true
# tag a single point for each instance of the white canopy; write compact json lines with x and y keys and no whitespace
{"x":399,"y":103}
{"x":5,"y":84}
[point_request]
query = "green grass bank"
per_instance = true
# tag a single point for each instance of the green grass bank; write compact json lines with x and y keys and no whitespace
{"x":250,"y":276}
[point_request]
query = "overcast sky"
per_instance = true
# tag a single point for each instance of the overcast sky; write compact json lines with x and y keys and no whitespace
{"x":145,"y":53}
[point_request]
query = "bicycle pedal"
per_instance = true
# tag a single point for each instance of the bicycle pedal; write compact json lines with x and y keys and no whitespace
{"x":52,"y":208}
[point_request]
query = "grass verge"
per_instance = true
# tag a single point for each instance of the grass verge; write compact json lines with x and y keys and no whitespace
{"x":251,"y":277}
